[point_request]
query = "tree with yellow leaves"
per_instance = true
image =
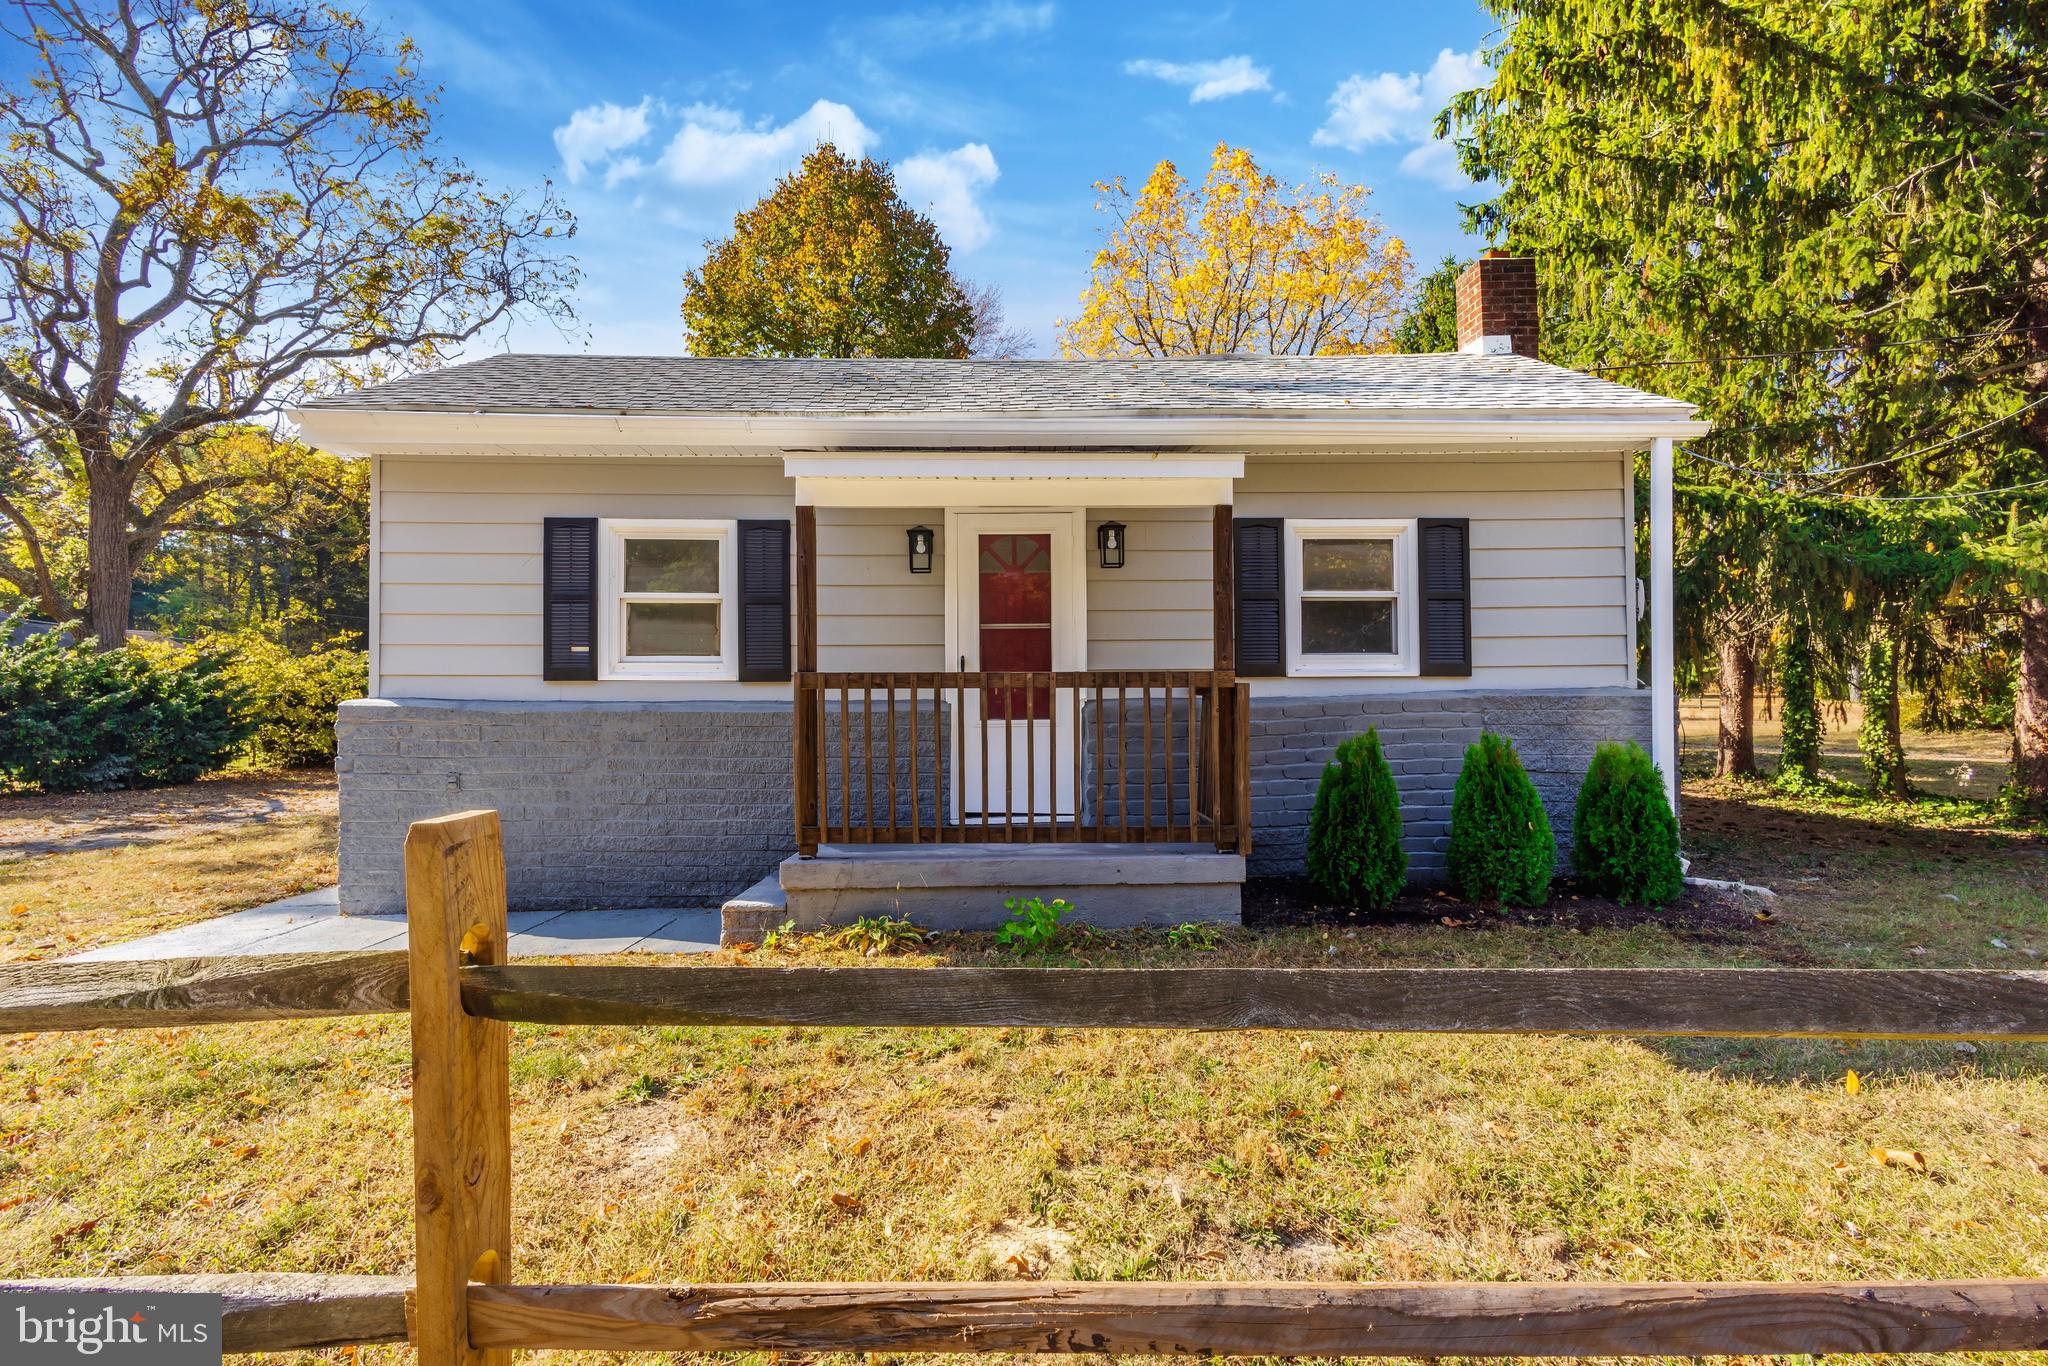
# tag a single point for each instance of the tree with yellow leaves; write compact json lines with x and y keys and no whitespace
{"x":832,"y":262}
{"x":1244,"y":263}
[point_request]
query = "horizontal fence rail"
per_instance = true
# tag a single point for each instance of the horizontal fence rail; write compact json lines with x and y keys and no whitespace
{"x":282,"y":1312}
{"x":1849,"y":1003}
{"x":151,"y":993}
{"x":1022,"y":758}
{"x":1425,"y":1319}
{"x":1905,"y":1003}
{"x":273,"y":1311}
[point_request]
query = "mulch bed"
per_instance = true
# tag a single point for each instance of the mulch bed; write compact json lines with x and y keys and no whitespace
{"x":1273,"y":902}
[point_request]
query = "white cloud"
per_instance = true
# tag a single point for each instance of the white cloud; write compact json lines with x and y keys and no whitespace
{"x":718,"y":147}
{"x":944,"y":185}
{"x":1390,"y":105}
{"x":1206,"y":80}
{"x":1435,"y":161}
{"x":594,"y":133}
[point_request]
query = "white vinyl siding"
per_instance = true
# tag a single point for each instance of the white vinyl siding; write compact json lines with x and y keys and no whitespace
{"x":457,"y":598}
{"x":1551,"y":565}
{"x":459,"y":564}
{"x":874,"y":615}
{"x":1154,"y":613}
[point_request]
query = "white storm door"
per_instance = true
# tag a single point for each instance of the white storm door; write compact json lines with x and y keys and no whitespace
{"x":1017,"y":599}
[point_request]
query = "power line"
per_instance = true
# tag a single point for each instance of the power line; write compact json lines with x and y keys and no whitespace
{"x":1838,"y":472}
{"x":1815,"y":351}
{"x":1874,"y":497}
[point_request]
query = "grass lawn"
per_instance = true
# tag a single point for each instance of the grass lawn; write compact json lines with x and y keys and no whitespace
{"x":84,"y":869}
{"x":704,"y":1154}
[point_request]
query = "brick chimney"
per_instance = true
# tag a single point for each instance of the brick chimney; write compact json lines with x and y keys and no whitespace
{"x":1497,"y":306}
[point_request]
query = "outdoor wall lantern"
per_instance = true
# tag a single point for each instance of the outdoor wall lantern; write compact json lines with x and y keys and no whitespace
{"x":920,"y":549}
{"x":1109,"y":544}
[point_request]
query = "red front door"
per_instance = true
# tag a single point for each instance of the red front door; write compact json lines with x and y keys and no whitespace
{"x":1015,"y":596}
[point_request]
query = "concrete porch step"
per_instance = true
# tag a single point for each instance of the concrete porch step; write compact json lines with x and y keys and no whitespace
{"x":963,"y":887}
{"x":748,"y":917}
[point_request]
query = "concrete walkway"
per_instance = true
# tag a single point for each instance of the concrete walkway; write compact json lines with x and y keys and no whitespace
{"x":313,"y":923}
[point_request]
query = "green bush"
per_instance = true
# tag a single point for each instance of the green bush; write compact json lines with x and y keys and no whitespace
{"x":288,"y":700}
{"x":1501,"y":845}
{"x":74,"y":719}
{"x":1354,"y":834}
{"x":1624,"y":837}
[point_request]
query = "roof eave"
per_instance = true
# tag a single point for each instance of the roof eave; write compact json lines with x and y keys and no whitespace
{"x":367,"y":431}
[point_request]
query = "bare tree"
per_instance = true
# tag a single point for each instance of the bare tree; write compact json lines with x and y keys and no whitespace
{"x":211,"y":211}
{"x":993,"y":337}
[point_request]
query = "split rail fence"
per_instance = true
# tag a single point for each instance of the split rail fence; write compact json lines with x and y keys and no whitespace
{"x":462,"y":1305}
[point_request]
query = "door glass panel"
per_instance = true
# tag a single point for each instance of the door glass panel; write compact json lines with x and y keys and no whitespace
{"x":1015,"y":590}
{"x":1335,"y":626}
{"x":671,"y":628}
{"x":665,"y":565}
{"x":1361,"y":566}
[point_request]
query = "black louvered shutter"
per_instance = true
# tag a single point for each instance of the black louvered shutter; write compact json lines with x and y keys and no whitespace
{"x":1261,"y":598}
{"x":1446,"y":577}
{"x":764,"y":602}
{"x":569,"y":599}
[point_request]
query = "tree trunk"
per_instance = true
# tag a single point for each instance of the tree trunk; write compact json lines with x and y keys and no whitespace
{"x":1884,"y":753}
{"x":2029,"y":781}
{"x":1736,"y":756}
{"x":110,"y":570}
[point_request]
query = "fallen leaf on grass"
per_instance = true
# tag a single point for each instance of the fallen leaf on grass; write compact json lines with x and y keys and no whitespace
{"x":1851,"y":1082}
{"x":75,"y":1231}
{"x":849,"y":1203}
{"x":1897,"y":1157}
{"x":245,"y":1152}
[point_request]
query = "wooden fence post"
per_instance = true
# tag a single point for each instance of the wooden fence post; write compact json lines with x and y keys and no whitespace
{"x":461,"y":1086}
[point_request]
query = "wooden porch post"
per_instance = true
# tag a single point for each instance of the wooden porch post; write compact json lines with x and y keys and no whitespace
{"x":1223,"y":589}
{"x":803,"y":698}
{"x":1231,"y":709}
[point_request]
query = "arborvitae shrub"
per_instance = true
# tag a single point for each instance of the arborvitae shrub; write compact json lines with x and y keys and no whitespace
{"x":1624,"y":837}
{"x":1799,"y":711}
{"x":1354,"y":834}
{"x":72,"y":718}
{"x":1501,"y":845}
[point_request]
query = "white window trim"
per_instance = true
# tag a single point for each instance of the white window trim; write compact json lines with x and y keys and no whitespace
{"x":611,"y":617}
{"x":1403,"y":660}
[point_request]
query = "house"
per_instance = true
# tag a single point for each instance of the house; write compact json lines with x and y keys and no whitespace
{"x":915,"y":635}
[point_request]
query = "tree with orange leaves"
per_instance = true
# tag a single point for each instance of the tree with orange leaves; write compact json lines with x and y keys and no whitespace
{"x":1243,"y":263}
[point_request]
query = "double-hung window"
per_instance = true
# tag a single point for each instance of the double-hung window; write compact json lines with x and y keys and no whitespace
{"x":1354,"y":611}
{"x":670,"y":591}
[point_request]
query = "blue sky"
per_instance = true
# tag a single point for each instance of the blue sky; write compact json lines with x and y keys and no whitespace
{"x":657,"y":122}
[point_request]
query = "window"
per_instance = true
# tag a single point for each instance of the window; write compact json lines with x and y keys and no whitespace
{"x":1354,"y":611}
{"x":668,"y":609}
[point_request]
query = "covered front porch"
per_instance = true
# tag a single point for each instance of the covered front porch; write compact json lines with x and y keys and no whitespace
{"x":1014,"y":767}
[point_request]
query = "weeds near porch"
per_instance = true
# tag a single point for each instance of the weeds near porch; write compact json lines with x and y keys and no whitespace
{"x":1033,"y":925}
{"x":875,"y":935}
{"x":1197,"y":936}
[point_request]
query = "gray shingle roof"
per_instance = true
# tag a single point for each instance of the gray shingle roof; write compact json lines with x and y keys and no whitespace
{"x":843,"y":388}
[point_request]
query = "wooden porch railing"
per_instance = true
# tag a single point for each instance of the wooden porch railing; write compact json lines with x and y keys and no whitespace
{"x":1020,"y":758}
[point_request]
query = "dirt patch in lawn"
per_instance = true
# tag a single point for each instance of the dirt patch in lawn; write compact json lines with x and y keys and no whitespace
{"x":36,"y":823}
{"x":1700,"y":915}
